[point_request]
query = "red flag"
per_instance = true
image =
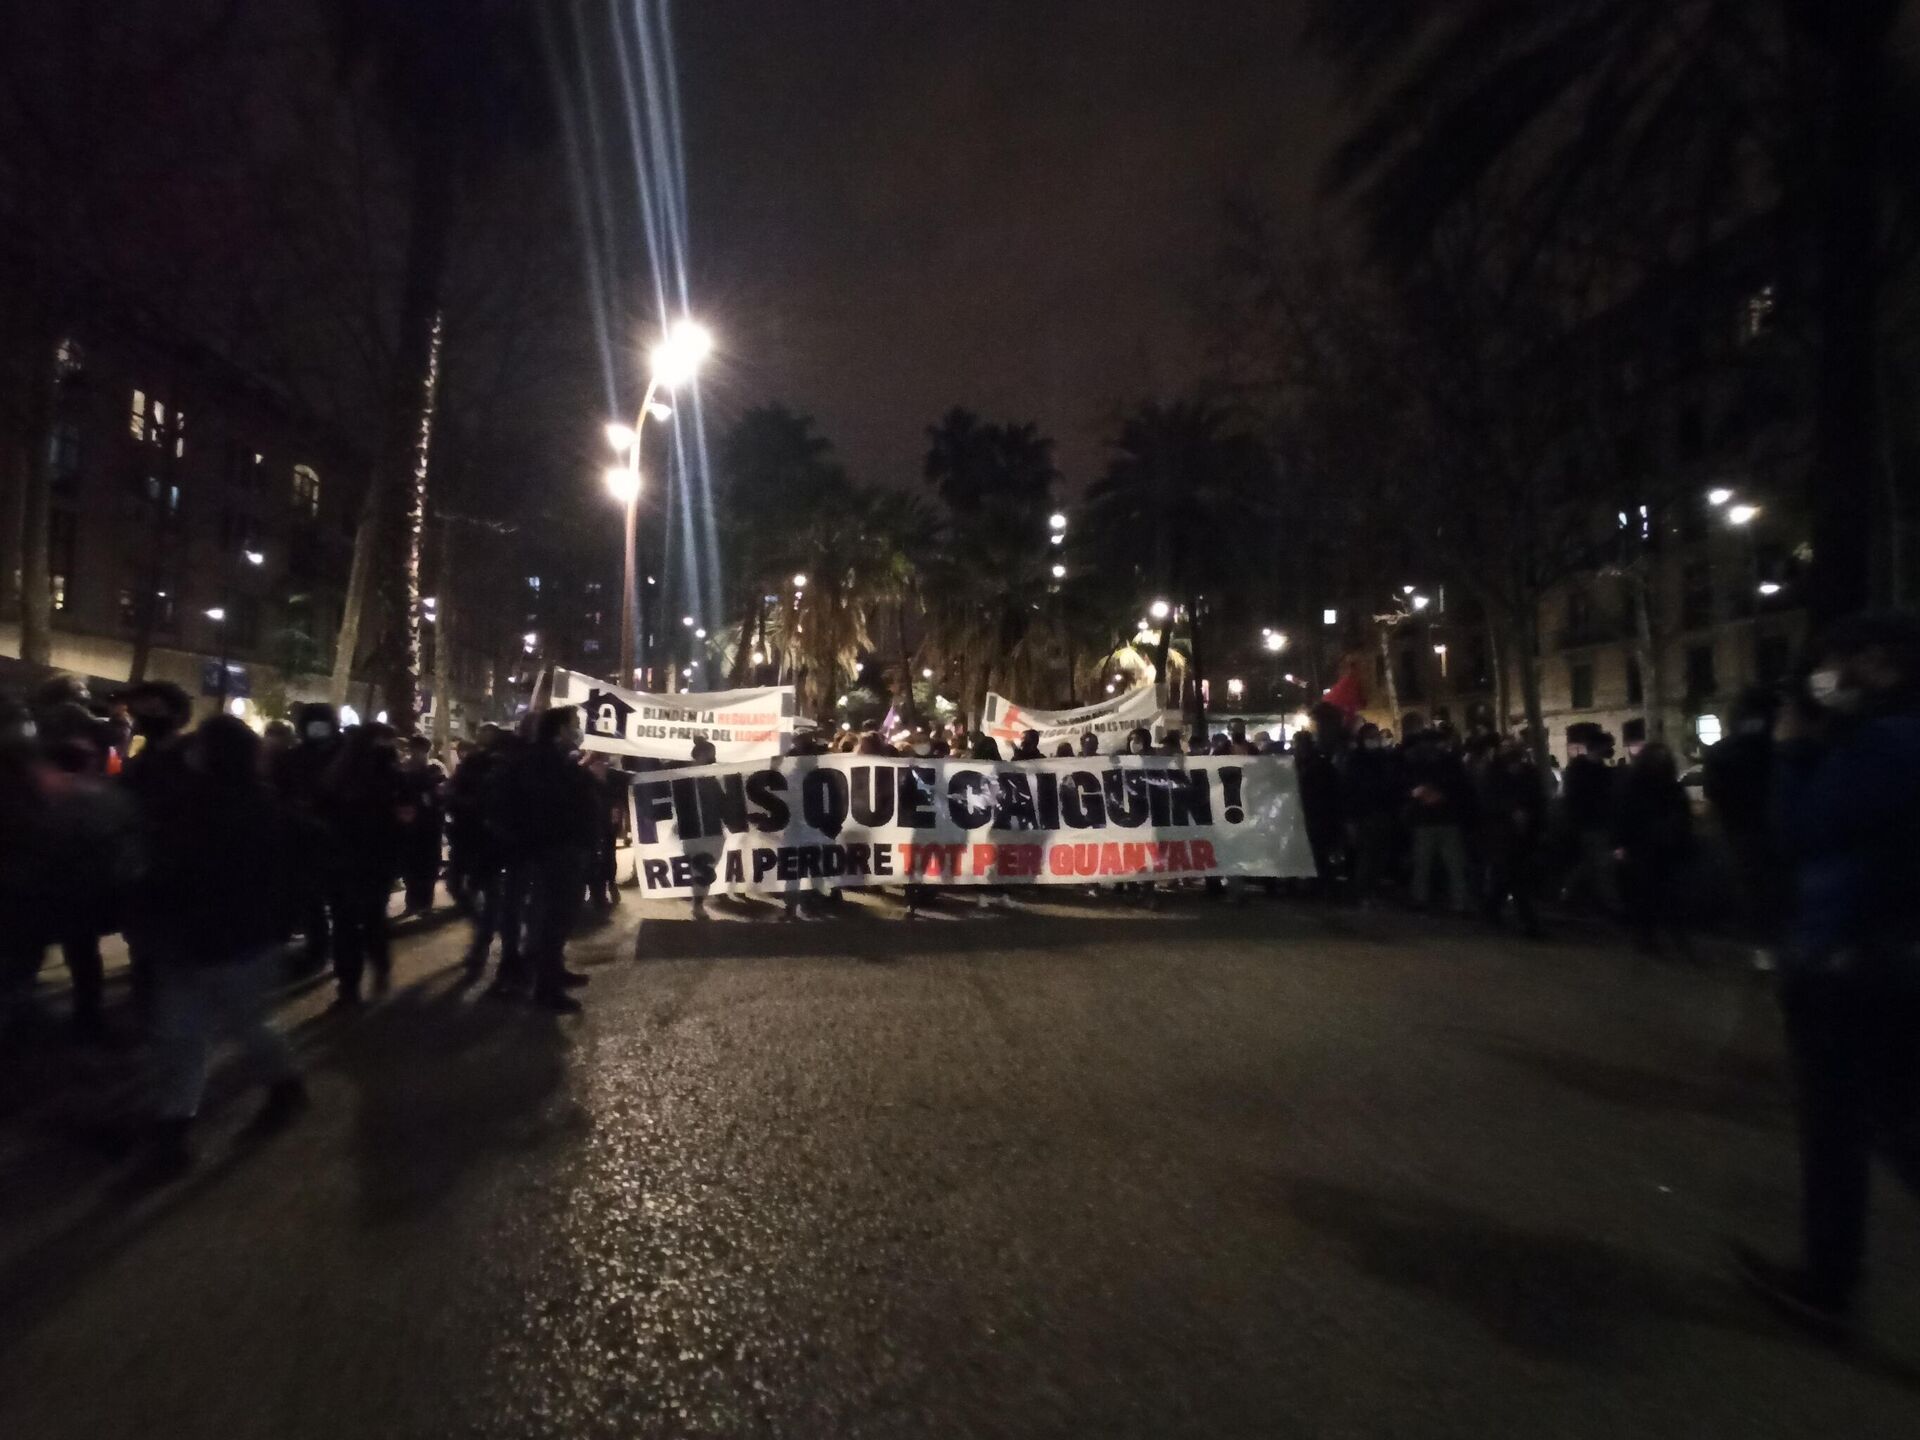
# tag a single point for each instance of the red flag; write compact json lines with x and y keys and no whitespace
{"x":1347,"y":694}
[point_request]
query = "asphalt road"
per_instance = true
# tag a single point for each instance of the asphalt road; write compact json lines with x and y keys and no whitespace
{"x":1076,"y":1172}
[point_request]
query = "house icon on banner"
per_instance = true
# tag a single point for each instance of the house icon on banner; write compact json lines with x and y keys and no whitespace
{"x":606,"y":714}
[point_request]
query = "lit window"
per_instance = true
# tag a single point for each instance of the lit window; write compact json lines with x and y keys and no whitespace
{"x":306,"y":490}
{"x":533,"y":582}
{"x":59,"y":592}
{"x":137,"y":417}
{"x":1707,"y":727}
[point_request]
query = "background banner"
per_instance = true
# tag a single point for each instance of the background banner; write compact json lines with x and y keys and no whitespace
{"x":742,"y":724}
{"x":809,"y":823}
{"x":1110,"y":720}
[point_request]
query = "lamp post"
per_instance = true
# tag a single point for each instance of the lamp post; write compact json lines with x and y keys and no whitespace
{"x":671,"y":364}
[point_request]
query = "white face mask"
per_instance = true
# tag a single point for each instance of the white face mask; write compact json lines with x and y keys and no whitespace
{"x":1827,"y":689}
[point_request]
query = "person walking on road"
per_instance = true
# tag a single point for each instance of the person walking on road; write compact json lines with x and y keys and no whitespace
{"x":1653,"y":838}
{"x":1847,"y":794}
{"x":555,"y":812}
{"x":1439,"y":805}
{"x":221,"y":898}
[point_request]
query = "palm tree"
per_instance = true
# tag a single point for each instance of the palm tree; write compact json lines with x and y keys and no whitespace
{"x":854,"y":569}
{"x":778,"y":476}
{"x":1608,"y":105}
{"x":1174,"y":517}
{"x":454,"y":82}
{"x":986,"y":582}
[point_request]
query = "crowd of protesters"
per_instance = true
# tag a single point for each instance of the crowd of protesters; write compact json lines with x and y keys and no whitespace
{"x":209,"y":847}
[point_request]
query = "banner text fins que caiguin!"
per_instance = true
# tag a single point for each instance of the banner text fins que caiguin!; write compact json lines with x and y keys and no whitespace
{"x":804,"y":823}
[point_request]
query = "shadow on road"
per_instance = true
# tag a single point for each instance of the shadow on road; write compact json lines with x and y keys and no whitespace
{"x":1558,"y":1297}
{"x":1741,"y":1098}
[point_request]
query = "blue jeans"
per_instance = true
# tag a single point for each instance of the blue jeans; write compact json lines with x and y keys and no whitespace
{"x":196,"y":1004}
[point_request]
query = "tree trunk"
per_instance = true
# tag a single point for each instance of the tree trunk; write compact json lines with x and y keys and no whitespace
{"x":743,"y":654}
{"x":353,"y":608}
{"x":1653,"y":676}
{"x":1383,"y":635}
{"x":402,"y":651}
{"x":1846,"y":450}
{"x":1198,"y":677}
{"x":36,"y":501}
{"x":1527,"y":635}
{"x":443,"y":644}
{"x":1502,"y":688}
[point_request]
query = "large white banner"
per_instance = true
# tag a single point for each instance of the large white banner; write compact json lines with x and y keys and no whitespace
{"x":813,"y":823}
{"x":1110,"y":721}
{"x":742,"y":724}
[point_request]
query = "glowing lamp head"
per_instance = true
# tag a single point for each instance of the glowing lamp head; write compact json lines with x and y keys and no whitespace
{"x":800,"y":582}
{"x":1057,"y":521}
{"x":623,"y":483}
{"x":1742,"y":514}
{"x":1719,"y":496}
{"x":1159,"y":610}
{"x":1276,"y":642}
{"x":620,"y":437}
{"x":676,"y":358}
{"x":216,"y":612}
{"x":1059,"y":572}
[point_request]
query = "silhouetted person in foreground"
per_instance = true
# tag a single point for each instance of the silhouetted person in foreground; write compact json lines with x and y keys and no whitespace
{"x":221,"y":895}
{"x":1847,"y":793}
{"x":554,"y":812}
{"x":1653,"y":837}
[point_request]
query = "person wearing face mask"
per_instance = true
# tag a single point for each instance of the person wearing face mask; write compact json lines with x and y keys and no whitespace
{"x":1847,"y":816}
{"x":1140,"y":741}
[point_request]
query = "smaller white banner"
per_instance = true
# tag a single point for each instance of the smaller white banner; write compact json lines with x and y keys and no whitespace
{"x":742,"y":724}
{"x":1110,"y":721}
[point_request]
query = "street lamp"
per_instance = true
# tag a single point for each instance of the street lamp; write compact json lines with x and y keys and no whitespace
{"x":1059,"y":572}
{"x":1719,"y":496}
{"x":216,"y":612}
{"x":672,"y":363}
{"x":1057,"y":521}
{"x":1276,"y":642}
{"x":1160,"y":609}
{"x":1235,"y":689}
{"x":1420,"y":602}
{"x":1769,"y":587}
{"x":1742,"y":514}
{"x":800,"y":582}
{"x":256,"y":557}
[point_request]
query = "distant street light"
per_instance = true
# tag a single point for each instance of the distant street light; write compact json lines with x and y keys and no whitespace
{"x":1057,"y":520}
{"x":700,"y":634}
{"x":216,"y":612}
{"x":1769,"y":587}
{"x":1160,"y":609}
{"x":1276,"y":642}
{"x":1407,"y":589}
{"x":1742,"y":514}
{"x":1059,"y":572}
{"x":800,"y":582}
{"x":1329,"y":617}
{"x":1420,"y":602}
{"x":926,"y":674}
{"x":256,"y":557}
{"x":672,"y":363}
{"x":1056,"y":538}
{"x":1719,"y":496}
{"x":687,"y":620}
{"x":1235,"y":689}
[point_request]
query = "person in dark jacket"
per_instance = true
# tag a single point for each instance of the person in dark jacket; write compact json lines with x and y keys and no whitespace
{"x":603,"y":880}
{"x":474,"y":809}
{"x":555,"y":810}
{"x":361,"y":801}
{"x":1847,"y":797}
{"x":1439,"y":808}
{"x":222,"y":892}
{"x":1029,"y":746}
{"x":1373,"y":791}
{"x":1319,"y":804}
{"x":1653,"y":838}
{"x":154,"y":772}
{"x":1738,"y":784}
{"x":1586,"y":802}
{"x":423,"y":821}
{"x":299,"y":777}
{"x":1512,"y":823}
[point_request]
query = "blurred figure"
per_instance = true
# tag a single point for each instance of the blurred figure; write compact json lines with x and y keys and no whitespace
{"x":362,"y":801}
{"x":1586,"y":801}
{"x":1319,"y":805}
{"x":1653,"y":838}
{"x":221,"y":898}
{"x":1373,"y":791}
{"x":1439,"y":805}
{"x":1063,"y":751}
{"x":158,"y":711}
{"x":1029,"y":746}
{"x":1513,"y":823}
{"x":300,"y":781}
{"x":1237,"y":741}
{"x":1739,"y":786}
{"x":423,"y":822}
{"x":1089,"y":744}
{"x":552,"y":812}
{"x":603,"y":881}
{"x":275,"y":741}
{"x":704,"y":753}
{"x":474,"y":807}
{"x":1848,"y":793}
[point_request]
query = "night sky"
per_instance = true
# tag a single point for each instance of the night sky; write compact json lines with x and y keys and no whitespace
{"x":901,"y":207}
